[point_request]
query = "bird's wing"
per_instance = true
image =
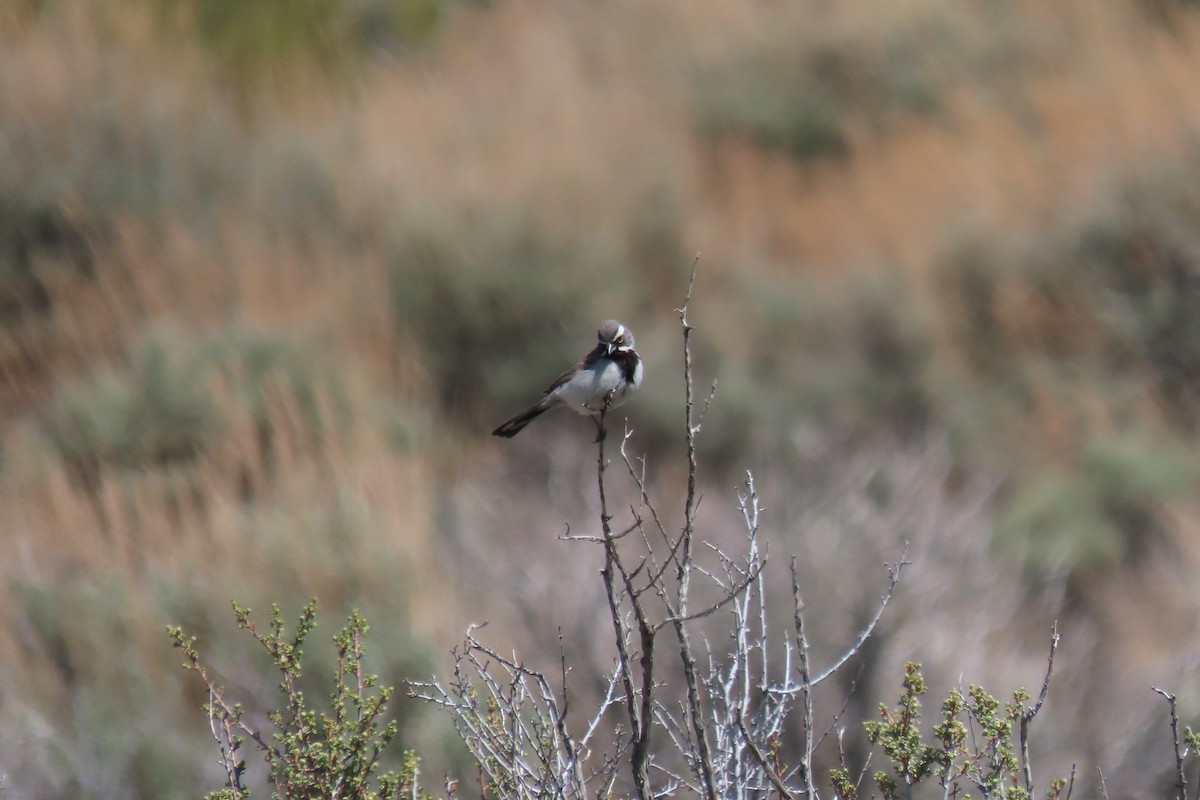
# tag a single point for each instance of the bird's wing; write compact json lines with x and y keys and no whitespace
{"x":587,"y":361}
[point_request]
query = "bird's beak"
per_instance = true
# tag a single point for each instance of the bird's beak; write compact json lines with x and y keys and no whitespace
{"x":610,"y":347}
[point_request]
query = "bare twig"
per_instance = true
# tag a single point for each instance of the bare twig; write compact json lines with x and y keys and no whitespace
{"x":228,"y":717}
{"x":761,"y":757}
{"x":680,"y":610}
{"x":638,"y":703}
{"x":1028,"y":714}
{"x":729,"y":596}
{"x":689,"y":503}
{"x":837,"y":718}
{"x":894,"y":571}
{"x":561,"y":717}
{"x":222,"y":726}
{"x":567,"y":536}
{"x":1180,"y":778}
{"x":609,"y":698}
{"x":639,"y":477}
{"x":511,"y":719}
{"x":805,"y":684}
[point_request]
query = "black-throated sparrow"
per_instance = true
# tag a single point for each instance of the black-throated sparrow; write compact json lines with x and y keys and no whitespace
{"x":607,"y":375}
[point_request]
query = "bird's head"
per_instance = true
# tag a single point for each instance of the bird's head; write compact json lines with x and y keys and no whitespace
{"x":615,"y":337}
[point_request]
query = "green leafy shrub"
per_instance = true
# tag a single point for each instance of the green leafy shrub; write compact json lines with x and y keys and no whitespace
{"x":979,"y":745}
{"x":334,"y":752}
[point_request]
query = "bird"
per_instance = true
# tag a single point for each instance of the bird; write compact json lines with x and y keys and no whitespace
{"x":602,"y":380}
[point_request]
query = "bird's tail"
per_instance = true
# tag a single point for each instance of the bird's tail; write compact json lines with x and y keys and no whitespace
{"x":516,"y":424}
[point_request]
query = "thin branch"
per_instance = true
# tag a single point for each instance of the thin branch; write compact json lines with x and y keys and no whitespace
{"x":672,"y":558}
{"x":639,"y":704}
{"x":639,"y":722}
{"x":690,"y":501}
{"x":837,"y":718}
{"x":805,"y":683}
{"x":609,"y":699}
{"x":1180,"y":778}
{"x":761,"y":758}
{"x":640,"y":479}
{"x":567,"y":536}
{"x":690,"y":506}
{"x":894,"y":572}
{"x":712,"y":393}
{"x":1028,"y":714}
{"x":231,"y":715}
{"x":226,"y":741}
{"x":560,"y":720}
{"x":717,"y":606}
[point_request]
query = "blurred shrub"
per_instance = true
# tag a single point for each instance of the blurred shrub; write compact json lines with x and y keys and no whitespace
{"x":93,"y":703}
{"x":804,"y":98}
{"x":254,"y":39}
{"x":807,"y":89}
{"x":34,"y":237}
{"x":1113,"y":299}
{"x":125,"y":142}
{"x":161,"y":408}
{"x":1068,"y":362}
{"x":264,"y":368}
{"x":84,"y":670}
{"x":392,"y":23}
{"x":794,"y":114}
{"x":156,"y":412}
{"x":1143,"y":279}
{"x":1081,"y":350}
{"x":107,"y":157}
{"x":1104,"y":512}
{"x":849,"y":362}
{"x":76,"y":161}
{"x":1166,"y":13}
{"x":406,"y":426}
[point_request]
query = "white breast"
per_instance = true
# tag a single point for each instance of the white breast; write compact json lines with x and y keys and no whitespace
{"x":586,"y":391}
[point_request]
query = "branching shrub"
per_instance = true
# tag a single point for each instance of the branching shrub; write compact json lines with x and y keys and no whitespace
{"x":310,"y":753}
{"x":704,"y":697}
{"x":691,"y":707}
{"x":980,"y":744}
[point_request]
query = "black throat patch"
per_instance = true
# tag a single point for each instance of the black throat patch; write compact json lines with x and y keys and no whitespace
{"x":628,"y":362}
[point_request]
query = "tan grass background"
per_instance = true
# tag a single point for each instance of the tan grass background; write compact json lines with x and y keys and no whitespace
{"x":322,"y":252}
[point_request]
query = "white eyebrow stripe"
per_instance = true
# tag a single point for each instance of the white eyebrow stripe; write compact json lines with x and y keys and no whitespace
{"x":620,"y":332}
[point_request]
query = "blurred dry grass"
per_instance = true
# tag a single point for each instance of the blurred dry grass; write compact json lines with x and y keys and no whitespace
{"x":244,"y":304}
